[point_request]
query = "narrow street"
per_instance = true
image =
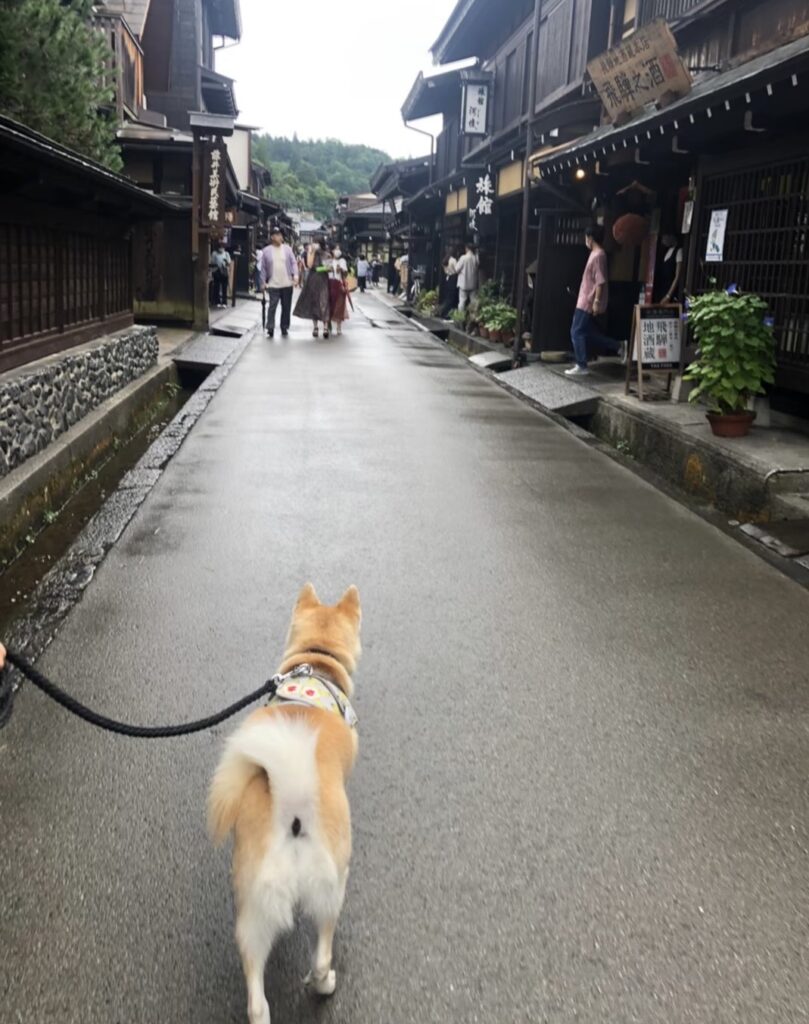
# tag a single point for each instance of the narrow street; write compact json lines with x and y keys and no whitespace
{"x":581,"y":792}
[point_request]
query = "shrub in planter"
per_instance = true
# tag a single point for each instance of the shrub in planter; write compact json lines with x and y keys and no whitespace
{"x":501,"y":321}
{"x":459,"y":318}
{"x":427,"y":302}
{"x":735,"y":359}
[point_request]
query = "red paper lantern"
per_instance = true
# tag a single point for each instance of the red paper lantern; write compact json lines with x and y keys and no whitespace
{"x":631,"y":229}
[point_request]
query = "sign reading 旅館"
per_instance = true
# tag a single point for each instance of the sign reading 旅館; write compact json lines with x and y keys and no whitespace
{"x":642,"y":69}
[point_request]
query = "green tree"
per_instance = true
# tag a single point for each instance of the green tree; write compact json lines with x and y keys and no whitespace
{"x":311,"y":174}
{"x":52,"y":64}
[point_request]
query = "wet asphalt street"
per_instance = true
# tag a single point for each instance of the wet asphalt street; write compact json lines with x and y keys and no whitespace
{"x":582,"y":787}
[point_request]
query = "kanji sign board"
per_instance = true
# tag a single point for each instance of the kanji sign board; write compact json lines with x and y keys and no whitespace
{"x":656,"y":342}
{"x":481,"y":208}
{"x":475,"y":107}
{"x":642,"y":69}
{"x":212,"y":213}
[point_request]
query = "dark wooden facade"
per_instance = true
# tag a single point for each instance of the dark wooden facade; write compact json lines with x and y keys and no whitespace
{"x":737,"y":143}
{"x":65,"y":246}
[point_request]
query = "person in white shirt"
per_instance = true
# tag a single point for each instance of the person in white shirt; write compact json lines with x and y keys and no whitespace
{"x":468,"y":276}
{"x":220,"y":264}
{"x":362,"y":272}
{"x":279,"y":275}
{"x":450,"y":300}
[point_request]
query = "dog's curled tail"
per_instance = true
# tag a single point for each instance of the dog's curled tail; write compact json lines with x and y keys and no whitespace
{"x":282,"y":748}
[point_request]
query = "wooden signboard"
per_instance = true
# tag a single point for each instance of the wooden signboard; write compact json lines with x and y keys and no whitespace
{"x":212,"y":210}
{"x":645,"y":68}
{"x":656,"y":342}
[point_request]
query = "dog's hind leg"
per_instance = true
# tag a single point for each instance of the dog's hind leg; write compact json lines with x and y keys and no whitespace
{"x":322,"y":978}
{"x":255,"y":939}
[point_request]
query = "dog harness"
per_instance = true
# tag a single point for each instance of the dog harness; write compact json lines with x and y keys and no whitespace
{"x":302,"y":686}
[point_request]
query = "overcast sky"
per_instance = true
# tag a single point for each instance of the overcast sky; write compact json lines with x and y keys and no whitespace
{"x":334,"y":68}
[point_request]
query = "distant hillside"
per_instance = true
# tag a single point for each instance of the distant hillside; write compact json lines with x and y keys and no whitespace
{"x":310,"y":175}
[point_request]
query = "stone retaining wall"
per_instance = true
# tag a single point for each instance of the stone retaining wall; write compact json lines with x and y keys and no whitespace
{"x":39,"y":403}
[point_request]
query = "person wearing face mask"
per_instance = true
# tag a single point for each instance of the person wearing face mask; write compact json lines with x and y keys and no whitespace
{"x":338,"y":294}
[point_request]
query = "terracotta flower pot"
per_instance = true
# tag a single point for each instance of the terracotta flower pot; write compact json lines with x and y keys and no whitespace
{"x":732,"y":424}
{"x":483,"y":331}
{"x":495,"y":335}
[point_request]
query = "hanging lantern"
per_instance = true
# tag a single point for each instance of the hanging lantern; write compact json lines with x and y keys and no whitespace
{"x":631,"y":229}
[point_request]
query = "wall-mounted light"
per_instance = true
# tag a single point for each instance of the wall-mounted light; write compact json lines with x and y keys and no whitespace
{"x":581,"y":174}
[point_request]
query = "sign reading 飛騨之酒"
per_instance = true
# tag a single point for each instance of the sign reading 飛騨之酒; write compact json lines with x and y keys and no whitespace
{"x":475,"y":107}
{"x":642,"y":69}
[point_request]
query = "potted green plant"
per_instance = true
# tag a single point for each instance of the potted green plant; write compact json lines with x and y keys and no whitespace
{"x":427,"y":302}
{"x":735,"y":358}
{"x":508,"y":322}
{"x":459,"y":317}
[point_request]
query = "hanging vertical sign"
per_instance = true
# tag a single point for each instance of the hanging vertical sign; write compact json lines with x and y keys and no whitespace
{"x":212,"y":212}
{"x":475,"y":108}
{"x":715,"y":250}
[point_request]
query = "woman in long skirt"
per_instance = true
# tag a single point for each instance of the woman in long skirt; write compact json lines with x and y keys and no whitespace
{"x":313,"y":302}
{"x":338,"y":294}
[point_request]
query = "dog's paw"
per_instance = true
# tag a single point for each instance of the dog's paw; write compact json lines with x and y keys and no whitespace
{"x":324,"y":986}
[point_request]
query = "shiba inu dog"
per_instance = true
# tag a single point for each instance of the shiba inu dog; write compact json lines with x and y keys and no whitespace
{"x":280,"y":788}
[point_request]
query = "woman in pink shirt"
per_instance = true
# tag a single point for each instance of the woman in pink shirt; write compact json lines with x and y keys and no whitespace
{"x":592,"y":301}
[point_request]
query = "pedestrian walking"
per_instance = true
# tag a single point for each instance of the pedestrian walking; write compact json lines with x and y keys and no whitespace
{"x":279,"y":275}
{"x":220,"y":264}
{"x":393,"y":276}
{"x":362,"y":272}
{"x":450,"y":296}
{"x":257,"y":271}
{"x":313,"y":302}
{"x":376,"y":269}
{"x":403,"y":273}
{"x":468,"y":273}
{"x":592,"y":302}
{"x":338,"y":292}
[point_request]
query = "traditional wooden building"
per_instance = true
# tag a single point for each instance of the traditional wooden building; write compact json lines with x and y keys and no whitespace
{"x":395,"y":184}
{"x":531,"y":58}
{"x":735,"y":146}
{"x":162,"y":69}
{"x":66,"y":226}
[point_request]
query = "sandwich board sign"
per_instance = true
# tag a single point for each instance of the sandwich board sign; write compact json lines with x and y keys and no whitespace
{"x":656,"y":342}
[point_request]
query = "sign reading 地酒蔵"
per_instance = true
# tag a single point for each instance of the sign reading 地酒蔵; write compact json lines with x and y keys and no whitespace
{"x":475,"y":107}
{"x":641,"y":69}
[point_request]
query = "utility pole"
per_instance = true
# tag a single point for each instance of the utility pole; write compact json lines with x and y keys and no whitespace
{"x":526,"y":191}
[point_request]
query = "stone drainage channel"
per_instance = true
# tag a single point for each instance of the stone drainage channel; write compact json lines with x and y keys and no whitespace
{"x":47,"y":544}
{"x":40,"y":586}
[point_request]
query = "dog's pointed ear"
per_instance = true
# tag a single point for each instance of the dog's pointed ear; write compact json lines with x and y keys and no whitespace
{"x":308,"y":597}
{"x":350,"y":601}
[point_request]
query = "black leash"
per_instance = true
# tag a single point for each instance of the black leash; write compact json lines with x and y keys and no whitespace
{"x":109,"y":724}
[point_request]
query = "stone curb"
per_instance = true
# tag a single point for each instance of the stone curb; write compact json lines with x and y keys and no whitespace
{"x":64,"y":584}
